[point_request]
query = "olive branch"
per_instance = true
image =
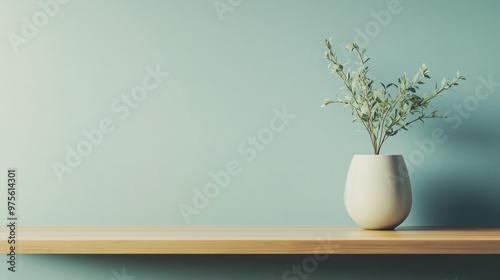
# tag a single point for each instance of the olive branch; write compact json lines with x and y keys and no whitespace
{"x":383,"y":114}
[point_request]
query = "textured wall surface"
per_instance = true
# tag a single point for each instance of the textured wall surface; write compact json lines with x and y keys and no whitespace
{"x":208,"y":113}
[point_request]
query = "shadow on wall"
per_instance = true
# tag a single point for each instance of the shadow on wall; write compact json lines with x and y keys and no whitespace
{"x":460,"y":202}
{"x":465,"y":189}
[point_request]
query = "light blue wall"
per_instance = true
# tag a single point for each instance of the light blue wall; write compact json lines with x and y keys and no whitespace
{"x":231,"y":73}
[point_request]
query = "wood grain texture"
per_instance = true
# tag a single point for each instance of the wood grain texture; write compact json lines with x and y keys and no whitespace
{"x":252,"y":240}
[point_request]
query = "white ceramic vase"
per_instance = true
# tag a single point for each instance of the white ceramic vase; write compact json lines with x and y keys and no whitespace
{"x":378,"y":191}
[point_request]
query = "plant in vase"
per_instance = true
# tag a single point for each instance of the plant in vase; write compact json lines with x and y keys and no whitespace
{"x":378,"y":192}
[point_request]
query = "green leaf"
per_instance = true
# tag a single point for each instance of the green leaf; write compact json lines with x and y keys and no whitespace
{"x":415,"y":78}
{"x":379,"y":109}
{"x":364,"y":109}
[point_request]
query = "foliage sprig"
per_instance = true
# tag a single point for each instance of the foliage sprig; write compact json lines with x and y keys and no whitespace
{"x":381,"y":112}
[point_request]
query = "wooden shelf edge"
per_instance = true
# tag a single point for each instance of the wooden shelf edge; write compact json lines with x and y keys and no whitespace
{"x":251,"y":240}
